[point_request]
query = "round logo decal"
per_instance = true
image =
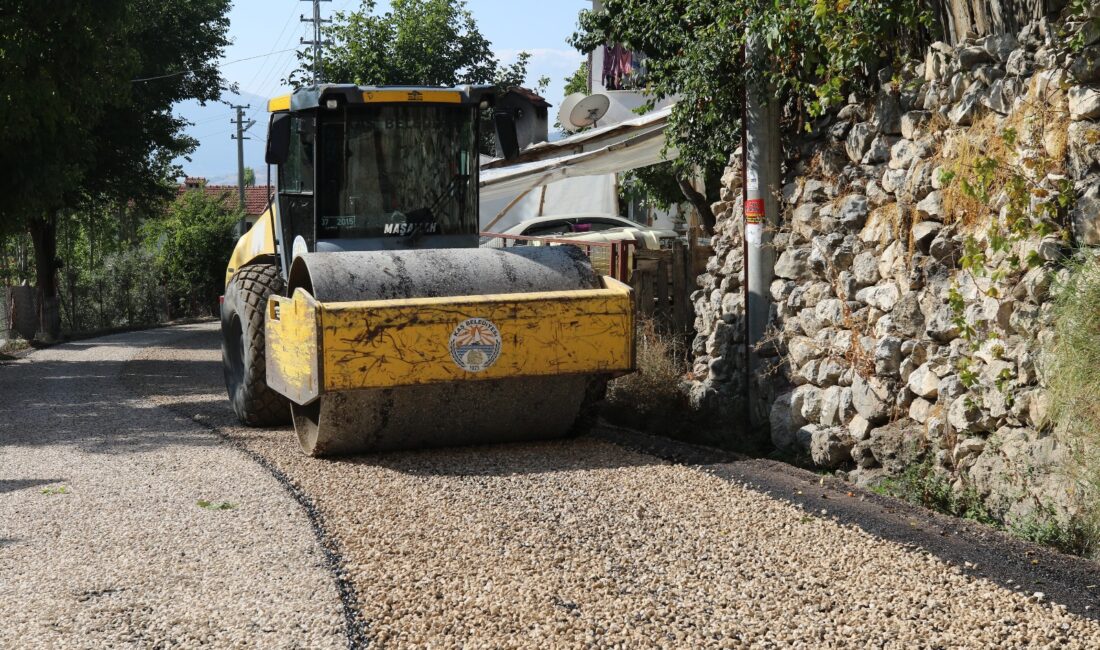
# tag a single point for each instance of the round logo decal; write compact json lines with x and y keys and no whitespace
{"x":475,"y":344}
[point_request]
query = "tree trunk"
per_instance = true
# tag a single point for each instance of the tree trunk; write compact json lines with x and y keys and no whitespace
{"x":44,"y":236}
{"x":700,"y":203}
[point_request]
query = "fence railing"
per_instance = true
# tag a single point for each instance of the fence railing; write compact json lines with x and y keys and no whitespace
{"x":614,"y":258}
{"x":663,"y":280}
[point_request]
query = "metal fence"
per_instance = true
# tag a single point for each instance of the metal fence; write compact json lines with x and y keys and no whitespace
{"x":663,"y":280}
{"x":608,"y":258}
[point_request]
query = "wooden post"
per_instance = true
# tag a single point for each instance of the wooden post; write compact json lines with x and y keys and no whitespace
{"x":662,"y":310}
{"x":680,"y":294}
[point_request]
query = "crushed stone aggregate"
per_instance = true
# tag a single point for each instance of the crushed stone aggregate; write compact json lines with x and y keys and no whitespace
{"x":582,"y":543}
{"x":124,"y":557}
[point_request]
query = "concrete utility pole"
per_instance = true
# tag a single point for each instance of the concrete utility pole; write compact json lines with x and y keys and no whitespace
{"x":317,"y":41}
{"x":242,"y":126}
{"x":762,"y":167}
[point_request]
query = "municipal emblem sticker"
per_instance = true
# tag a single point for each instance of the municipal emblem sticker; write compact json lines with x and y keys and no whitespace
{"x":475,"y":344}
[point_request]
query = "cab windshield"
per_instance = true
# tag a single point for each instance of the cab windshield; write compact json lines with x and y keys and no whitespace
{"x":397,"y":171}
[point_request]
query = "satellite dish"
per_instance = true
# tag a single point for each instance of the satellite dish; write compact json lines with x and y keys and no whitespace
{"x":567,"y":106}
{"x":589,"y":111}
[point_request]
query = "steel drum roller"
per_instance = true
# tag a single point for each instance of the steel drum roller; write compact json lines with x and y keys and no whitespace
{"x":454,"y":413}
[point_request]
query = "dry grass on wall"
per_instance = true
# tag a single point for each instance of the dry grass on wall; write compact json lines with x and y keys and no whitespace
{"x":1073,"y":377}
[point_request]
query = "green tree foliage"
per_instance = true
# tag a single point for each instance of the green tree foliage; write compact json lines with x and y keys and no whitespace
{"x":86,"y":119}
{"x":417,"y":42}
{"x":249,"y":177}
{"x":193,"y":243}
{"x":578,"y":81}
{"x":816,"y":52}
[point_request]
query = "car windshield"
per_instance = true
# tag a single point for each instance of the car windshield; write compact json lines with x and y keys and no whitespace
{"x":397,"y":171}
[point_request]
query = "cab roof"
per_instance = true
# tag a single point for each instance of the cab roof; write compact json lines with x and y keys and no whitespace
{"x":349,"y":94}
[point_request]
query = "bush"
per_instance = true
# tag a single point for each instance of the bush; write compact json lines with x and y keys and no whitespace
{"x":1073,"y":376}
{"x":193,"y":245}
{"x":652,"y":397}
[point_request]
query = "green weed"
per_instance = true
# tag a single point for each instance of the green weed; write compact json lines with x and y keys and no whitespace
{"x":210,"y":505}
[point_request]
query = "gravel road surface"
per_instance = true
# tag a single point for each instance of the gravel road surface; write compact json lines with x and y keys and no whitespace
{"x":102,"y":540}
{"x":583,"y":543}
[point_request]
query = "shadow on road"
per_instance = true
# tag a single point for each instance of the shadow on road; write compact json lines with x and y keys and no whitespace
{"x":22,"y":484}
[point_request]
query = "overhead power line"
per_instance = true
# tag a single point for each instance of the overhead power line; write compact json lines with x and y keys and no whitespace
{"x":220,"y":65}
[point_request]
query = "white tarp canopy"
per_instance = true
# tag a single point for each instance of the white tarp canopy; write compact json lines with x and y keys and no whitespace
{"x":577,"y":172}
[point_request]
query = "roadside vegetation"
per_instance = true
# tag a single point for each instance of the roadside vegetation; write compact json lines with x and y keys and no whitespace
{"x":124,"y":267}
{"x":1073,"y":377}
{"x":920,"y":484}
{"x":652,"y":398}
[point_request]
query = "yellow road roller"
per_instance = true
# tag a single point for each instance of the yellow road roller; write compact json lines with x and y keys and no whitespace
{"x":360,"y":307}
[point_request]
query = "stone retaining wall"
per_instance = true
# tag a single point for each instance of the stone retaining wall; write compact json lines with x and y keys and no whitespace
{"x":870,"y":368}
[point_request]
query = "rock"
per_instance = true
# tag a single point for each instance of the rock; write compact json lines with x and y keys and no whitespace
{"x":830,"y":448}
{"x":923,"y":234}
{"x":891,"y":446}
{"x":865,"y":268}
{"x":944,"y":249}
{"x":940,"y":324}
{"x":1019,"y":63}
{"x":1083,"y":141}
{"x":887,"y":117}
{"x":1084,"y":103}
{"x":876,"y":196}
{"x":907,"y":317}
{"x":892,"y":261}
{"x":808,"y":399}
{"x":902,"y":154}
{"x":862,"y":455}
{"x":831,"y":415}
{"x":971,"y":57}
{"x":888,"y":356}
{"x":879,"y":150}
{"x":859,"y":141}
{"x":859,"y":427}
{"x":931,"y":207}
{"x":851,"y":112}
{"x":852,"y":211}
{"x":871,"y":398}
{"x":950,"y":387}
{"x":793,"y":264}
{"x":882,"y":296}
{"x":803,"y":349}
{"x":829,"y":372}
{"x":935,"y":65}
{"x":920,"y":410}
{"x":1086,"y":215}
{"x":893,"y":180}
{"x":967,"y":448}
{"x":1001,"y":46}
{"x":1086,"y":65}
{"x":814,"y":191}
{"x":998,"y":98}
{"x":987,"y":74}
{"x":804,"y":220}
{"x":912,"y":122}
{"x":881,"y":225}
{"x":964,"y":112}
{"x":924,"y":383}
{"x":964,"y":416}
{"x":1089,"y":32}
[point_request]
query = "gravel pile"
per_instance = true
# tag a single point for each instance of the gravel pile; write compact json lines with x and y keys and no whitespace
{"x":103,"y":542}
{"x":583,"y":543}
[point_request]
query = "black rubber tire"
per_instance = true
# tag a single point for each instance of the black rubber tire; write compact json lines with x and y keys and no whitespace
{"x":589,"y":414}
{"x":243,"y":351}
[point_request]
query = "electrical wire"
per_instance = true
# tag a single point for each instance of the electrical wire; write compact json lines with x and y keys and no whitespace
{"x":218,"y":66}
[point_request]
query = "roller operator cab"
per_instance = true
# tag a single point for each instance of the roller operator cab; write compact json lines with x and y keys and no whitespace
{"x":360,"y":307}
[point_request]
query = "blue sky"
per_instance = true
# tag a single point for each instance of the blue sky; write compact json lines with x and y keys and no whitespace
{"x":260,"y":27}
